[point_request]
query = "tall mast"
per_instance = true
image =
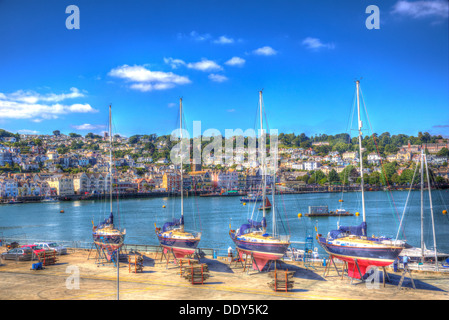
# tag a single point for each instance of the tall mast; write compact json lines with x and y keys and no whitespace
{"x":182,"y":180}
{"x":262,"y":154}
{"x":431,"y":213}
{"x":110,"y":157}
{"x":422,"y":205}
{"x":360,"y":150}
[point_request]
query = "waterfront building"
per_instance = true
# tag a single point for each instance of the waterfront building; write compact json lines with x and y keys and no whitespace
{"x":63,"y":184}
{"x":5,"y":157}
{"x":171,"y":181}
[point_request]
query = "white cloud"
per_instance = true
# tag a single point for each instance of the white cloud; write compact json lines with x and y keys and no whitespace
{"x":32,"y":105}
{"x":235,"y":61}
{"x":224,"y":40}
{"x":174,"y":63}
{"x":315,"y":44}
{"x":217,"y":77}
{"x":265,"y":51}
{"x":421,"y":9}
{"x":195,"y":36}
{"x":27,"y":131}
{"x":144,"y":79}
{"x":33,"y":97}
{"x":205,"y":65}
{"x":88,"y":126}
{"x":230,"y":110}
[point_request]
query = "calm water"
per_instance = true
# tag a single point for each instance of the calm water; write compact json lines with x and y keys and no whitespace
{"x":212,"y":216}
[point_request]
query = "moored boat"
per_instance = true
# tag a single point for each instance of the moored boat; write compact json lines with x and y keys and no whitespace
{"x":172,"y":236}
{"x":251,"y":239}
{"x":351,"y":244}
{"x":106,"y":236}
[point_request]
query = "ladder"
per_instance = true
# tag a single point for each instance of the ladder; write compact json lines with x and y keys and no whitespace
{"x":406,"y":270}
{"x":308,"y":252}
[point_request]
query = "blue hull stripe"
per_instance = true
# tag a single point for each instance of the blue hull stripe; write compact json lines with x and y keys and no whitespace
{"x":370,"y":253}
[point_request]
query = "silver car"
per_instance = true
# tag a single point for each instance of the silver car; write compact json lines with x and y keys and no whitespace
{"x":52,"y":246}
{"x":18,"y":254}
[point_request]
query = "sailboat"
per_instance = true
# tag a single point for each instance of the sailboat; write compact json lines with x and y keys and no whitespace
{"x":106,"y":235}
{"x":172,"y":236}
{"x":266,"y":205}
{"x":252,"y":238}
{"x":351,"y":244}
{"x":423,"y":254}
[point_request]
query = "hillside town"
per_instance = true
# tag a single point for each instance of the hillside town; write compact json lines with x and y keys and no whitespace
{"x":63,"y":166}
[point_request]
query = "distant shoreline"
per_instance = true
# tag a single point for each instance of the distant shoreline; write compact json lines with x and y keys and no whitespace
{"x":159,"y":194}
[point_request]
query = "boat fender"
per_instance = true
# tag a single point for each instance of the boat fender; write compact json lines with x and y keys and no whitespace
{"x":265,"y":235}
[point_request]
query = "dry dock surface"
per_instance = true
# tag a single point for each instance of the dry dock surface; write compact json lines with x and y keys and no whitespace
{"x":160,"y":281}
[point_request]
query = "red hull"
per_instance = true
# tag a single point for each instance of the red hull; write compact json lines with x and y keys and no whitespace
{"x":260,"y":259}
{"x":363,"y":264}
{"x":178,"y":252}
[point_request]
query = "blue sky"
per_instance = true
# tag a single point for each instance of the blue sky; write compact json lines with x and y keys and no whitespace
{"x":142,"y":56}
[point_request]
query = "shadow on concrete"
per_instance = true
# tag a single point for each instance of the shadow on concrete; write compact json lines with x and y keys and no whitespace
{"x":300,"y":273}
{"x":407,"y":283}
{"x":217,"y":266}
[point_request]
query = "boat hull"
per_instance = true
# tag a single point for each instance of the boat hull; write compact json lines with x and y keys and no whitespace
{"x":261,"y":252}
{"x":379,"y":256}
{"x":110,"y":243}
{"x":179,"y":247}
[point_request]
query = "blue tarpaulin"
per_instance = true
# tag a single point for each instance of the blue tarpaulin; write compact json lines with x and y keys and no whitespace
{"x":174,"y":223}
{"x":107,"y":221}
{"x":252,"y":224}
{"x":359,"y":230}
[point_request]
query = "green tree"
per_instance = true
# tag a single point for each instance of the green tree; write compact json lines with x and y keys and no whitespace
{"x":443,"y":152}
{"x":333,"y":176}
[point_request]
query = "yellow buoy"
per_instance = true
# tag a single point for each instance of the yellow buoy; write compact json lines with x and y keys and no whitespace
{"x":341,"y":200}
{"x":163,"y":206}
{"x":244,"y":203}
{"x":357,"y":214}
{"x":444,"y":211}
{"x":299,"y":215}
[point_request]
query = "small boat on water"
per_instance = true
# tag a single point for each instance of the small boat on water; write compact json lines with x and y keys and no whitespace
{"x":267,"y":205}
{"x":251,"y":198}
{"x":14,"y":201}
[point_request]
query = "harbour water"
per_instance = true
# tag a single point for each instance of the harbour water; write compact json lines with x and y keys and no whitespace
{"x":213,"y":216}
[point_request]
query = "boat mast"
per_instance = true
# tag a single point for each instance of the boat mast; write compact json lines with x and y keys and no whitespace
{"x":182,"y":180}
{"x":110,"y":157}
{"x":431,"y":213}
{"x":422,"y":206}
{"x":360,"y":150}
{"x":110,"y":198}
{"x":262,"y":154}
{"x":273,"y":152}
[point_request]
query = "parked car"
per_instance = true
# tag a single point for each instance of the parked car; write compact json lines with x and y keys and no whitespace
{"x":52,"y":246}
{"x":35,"y":249}
{"x":12,"y":245}
{"x":18,"y":254}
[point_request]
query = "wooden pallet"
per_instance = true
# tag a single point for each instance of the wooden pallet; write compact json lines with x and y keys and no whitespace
{"x":135,"y":263}
{"x":47,"y":257}
{"x":282,"y":280}
{"x":196,"y":274}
